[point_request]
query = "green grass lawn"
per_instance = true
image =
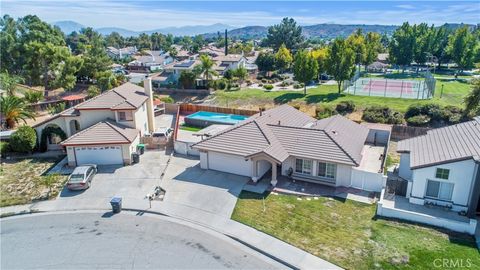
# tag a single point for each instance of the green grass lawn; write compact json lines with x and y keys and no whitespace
{"x":190,"y":128}
{"x":453,"y":94}
{"x":346,"y":233}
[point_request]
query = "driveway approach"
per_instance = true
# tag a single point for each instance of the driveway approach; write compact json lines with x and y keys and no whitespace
{"x":130,"y":182}
{"x":123,"y":241}
{"x":207,"y":190}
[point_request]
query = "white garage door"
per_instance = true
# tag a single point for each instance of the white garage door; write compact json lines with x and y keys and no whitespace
{"x":100,"y":155}
{"x":229,"y":163}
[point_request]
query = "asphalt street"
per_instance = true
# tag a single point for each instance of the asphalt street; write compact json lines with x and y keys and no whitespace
{"x":122,"y":241}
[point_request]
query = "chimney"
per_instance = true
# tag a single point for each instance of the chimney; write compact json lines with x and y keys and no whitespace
{"x":147,"y":85}
{"x":226,"y":42}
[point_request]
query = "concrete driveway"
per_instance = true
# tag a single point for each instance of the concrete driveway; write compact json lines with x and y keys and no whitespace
{"x":207,"y":190}
{"x":130,"y":182}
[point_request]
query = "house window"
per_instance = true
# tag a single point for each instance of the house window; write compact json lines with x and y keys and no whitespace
{"x":125,"y":116}
{"x":303,"y":166}
{"x":442,"y":173}
{"x":439,"y":190}
{"x":327,"y":170}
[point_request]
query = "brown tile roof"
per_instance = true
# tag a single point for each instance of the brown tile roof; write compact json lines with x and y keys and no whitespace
{"x":443,"y":145}
{"x":229,"y":58}
{"x":285,"y":131}
{"x":128,"y":92}
{"x":105,"y":132}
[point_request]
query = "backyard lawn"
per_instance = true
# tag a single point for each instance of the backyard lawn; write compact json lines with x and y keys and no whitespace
{"x":347,"y":234}
{"x":453,"y":94}
{"x":21,"y":181}
{"x":190,"y":128}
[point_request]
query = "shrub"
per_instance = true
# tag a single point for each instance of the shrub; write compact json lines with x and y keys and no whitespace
{"x":434,"y":112}
{"x":264,"y":80}
{"x":297,"y":86}
{"x":56,"y":108}
{"x":167,"y":99}
{"x":23,"y":140}
{"x":418,"y":120}
{"x":268,"y":87}
{"x":33,"y":96}
{"x":346,"y":106}
{"x":384,"y":115}
{"x":221,"y":84}
{"x":260,"y":84}
{"x":93,"y":91}
{"x":4,"y":148}
{"x":324,"y":111}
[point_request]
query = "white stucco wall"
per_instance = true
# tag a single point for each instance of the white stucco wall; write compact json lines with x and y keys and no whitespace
{"x":263,"y":167}
{"x":140,"y":119}
{"x":404,"y":168}
{"x":204,"y":160}
{"x":89,"y":118}
{"x":229,"y":163}
{"x":461,"y":175}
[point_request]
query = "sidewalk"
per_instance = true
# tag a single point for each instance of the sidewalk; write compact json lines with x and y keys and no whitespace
{"x":270,"y":246}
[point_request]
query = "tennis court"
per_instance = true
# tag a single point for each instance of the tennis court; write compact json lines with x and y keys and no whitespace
{"x":410,"y":89}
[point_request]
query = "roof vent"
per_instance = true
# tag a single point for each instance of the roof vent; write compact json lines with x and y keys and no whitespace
{"x":334,"y":132}
{"x":279,"y":123}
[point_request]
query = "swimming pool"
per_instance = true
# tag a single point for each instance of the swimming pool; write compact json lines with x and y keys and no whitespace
{"x":203,"y":119}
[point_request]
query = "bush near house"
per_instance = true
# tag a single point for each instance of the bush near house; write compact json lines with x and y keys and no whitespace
{"x":23,"y":140}
{"x":382,"y":114}
{"x":4,"y":148}
{"x":325,"y":110}
{"x":167,"y":99}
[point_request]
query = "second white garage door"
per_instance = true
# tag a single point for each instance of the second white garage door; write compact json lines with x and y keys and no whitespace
{"x":100,"y":155}
{"x":229,"y":163}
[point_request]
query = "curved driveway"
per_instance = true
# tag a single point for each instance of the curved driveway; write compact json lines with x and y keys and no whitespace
{"x":122,"y":241}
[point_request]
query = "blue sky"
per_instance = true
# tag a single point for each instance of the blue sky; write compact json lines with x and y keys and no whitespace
{"x":145,"y":15}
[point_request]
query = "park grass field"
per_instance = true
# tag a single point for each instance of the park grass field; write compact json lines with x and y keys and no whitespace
{"x":453,"y":94}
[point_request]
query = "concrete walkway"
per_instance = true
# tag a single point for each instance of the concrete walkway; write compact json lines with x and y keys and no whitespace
{"x":272,"y":247}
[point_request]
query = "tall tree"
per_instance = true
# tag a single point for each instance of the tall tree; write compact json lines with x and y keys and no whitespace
{"x":440,"y":43}
{"x":287,"y":32}
{"x":14,"y":110}
{"x":424,"y":37}
{"x":114,"y":39}
{"x":321,"y":55}
{"x":340,"y":61}
{"x":283,"y":58}
{"x":372,"y":47}
{"x":402,"y":45}
{"x":241,"y":74}
{"x":266,"y":61}
{"x":9,"y":45}
{"x":305,"y":68}
{"x":357,"y":42}
{"x":94,"y":55}
{"x":462,"y":46}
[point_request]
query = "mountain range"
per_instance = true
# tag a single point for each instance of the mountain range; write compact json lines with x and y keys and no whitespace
{"x":190,"y":30}
{"x":324,"y":31}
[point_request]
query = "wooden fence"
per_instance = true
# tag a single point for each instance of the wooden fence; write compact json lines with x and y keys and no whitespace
{"x":187,"y":107}
{"x":406,"y":132}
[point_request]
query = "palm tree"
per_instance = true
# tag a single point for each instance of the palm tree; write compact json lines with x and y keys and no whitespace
{"x":9,"y":82}
{"x":14,"y":109}
{"x":206,"y":66}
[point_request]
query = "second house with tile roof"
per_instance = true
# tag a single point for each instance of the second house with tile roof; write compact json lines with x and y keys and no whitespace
{"x":103,"y":130}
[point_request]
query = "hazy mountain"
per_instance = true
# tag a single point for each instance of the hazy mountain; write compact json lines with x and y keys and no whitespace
{"x":190,"y":30}
{"x":68,"y":26}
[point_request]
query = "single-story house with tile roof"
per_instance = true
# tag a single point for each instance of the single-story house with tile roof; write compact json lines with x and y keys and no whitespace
{"x":103,"y":130}
{"x":443,"y":167}
{"x":334,"y":151}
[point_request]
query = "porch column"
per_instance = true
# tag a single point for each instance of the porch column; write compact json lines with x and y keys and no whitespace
{"x":254,"y":170}
{"x":274,"y":174}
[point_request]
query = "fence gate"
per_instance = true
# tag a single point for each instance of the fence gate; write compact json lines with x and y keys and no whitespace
{"x":397,"y":187}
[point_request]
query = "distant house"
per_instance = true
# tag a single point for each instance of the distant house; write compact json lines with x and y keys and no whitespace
{"x":150,"y":61}
{"x":171,"y":73}
{"x":442,"y":171}
{"x":212,"y":51}
{"x":377,"y":67}
{"x":181,"y":53}
{"x":382,"y":58}
{"x":230,"y":61}
{"x":121,"y":53}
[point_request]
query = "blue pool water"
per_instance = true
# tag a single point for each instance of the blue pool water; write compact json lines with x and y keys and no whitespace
{"x":218,"y":118}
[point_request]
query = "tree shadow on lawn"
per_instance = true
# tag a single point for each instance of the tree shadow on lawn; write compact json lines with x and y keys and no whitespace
{"x":323,"y":98}
{"x":287,"y":97}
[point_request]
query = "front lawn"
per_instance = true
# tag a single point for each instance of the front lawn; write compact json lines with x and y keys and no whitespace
{"x":21,"y":181}
{"x":453,"y":94}
{"x":346,"y":233}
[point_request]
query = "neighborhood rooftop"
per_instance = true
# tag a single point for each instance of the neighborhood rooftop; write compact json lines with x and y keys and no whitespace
{"x":285,"y":131}
{"x":125,"y":96}
{"x":104,"y":132}
{"x":452,"y":143}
